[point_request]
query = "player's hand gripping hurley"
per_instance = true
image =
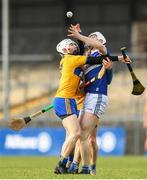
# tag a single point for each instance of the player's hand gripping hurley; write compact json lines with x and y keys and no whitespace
{"x":138,"y":88}
{"x":17,"y":124}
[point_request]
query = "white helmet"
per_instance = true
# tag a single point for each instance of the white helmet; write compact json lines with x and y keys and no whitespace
{"x":99,"y":36}
{"x":64,"y":44}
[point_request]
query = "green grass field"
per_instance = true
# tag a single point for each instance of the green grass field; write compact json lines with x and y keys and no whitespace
{"x":42,"y":168}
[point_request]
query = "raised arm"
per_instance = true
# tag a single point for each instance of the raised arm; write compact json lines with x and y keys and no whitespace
{"x":80,"y":43}
{"x":73,"y":32}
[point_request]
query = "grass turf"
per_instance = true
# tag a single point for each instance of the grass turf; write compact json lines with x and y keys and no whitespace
{"x":42,"y":168}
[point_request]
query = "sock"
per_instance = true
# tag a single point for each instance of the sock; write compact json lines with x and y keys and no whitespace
{"x":92,"y":167}
{"x":70,"y":157}
{"x":63,"y":160}
{"x":74,"y":167}
{"x":85,"y":169}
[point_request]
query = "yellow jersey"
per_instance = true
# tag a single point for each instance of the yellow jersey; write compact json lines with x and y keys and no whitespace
{"x":79,"y":99}
{"x":69,"y":82}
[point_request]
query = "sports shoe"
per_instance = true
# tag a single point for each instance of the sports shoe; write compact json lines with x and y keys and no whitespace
{"x":56,"y":170}
{"x":84,"y":172}
{"x":92,"y":169}
{"x":75,"y":171}
{"x":60,"y":169}
{"x":93,"y":172}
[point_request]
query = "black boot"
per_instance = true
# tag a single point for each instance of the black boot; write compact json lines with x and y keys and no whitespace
{"x":60,"y":168}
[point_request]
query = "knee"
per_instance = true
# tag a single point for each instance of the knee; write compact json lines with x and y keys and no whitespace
{"x":92,"y":141}
{"x":76,"y":135}
{"x":84,"y":136}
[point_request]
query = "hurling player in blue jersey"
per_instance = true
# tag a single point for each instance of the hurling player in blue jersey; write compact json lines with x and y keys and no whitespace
{"x":92,"y":137}
{"x":95,"y":102}
{"x":96,"y":92}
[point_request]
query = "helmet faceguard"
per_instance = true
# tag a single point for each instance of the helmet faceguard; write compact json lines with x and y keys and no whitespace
{"x":64,"y":44}
{"x":99,"y":37}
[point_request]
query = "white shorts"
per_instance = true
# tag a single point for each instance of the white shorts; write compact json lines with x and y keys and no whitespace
{"x":95,"y":104}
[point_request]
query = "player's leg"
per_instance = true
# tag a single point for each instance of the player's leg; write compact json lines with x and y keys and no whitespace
{"x":70,"y":159}
{"x":66,"y":137}
{"x":94,"y":107}
{"x":74,"y":167}
{"x":88,"y":124}
{"x":66,"y":110}
{"x":94,"y":151}
{"x":66,"y":160}
{"x":145,"y":143}
{"x":71,"y":124}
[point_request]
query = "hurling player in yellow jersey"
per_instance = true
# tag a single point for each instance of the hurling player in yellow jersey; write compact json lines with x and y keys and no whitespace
{"x":65,"y":100}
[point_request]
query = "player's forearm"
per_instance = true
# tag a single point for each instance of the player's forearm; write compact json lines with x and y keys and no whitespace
{"x":94,"y":43}
{"x":90,"y":42}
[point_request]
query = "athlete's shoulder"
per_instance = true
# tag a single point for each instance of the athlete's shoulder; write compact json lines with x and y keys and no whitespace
{"x":69,"y":57}
{"x":77,"y":60}
{"x":66,"y":59}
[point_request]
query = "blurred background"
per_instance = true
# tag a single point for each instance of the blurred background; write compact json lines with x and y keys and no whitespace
{"x":29,"y":74}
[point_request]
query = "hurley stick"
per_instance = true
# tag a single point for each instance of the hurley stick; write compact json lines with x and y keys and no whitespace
{"x":138,"y":88}
{"x":17,"y":124}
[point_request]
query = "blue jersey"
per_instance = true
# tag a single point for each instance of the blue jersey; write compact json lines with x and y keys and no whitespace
{"x":100,"y":85}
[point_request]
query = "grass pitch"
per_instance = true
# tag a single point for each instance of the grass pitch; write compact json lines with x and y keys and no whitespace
{"x":42,"y":168}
